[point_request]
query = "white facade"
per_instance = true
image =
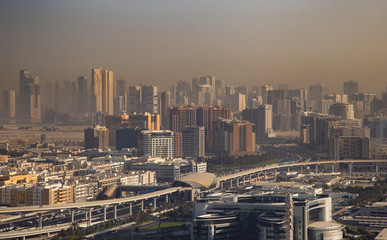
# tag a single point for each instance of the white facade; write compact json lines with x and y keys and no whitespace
{"x":157,"y":143}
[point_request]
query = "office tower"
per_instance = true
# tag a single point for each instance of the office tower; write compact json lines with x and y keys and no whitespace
{"x":107,"y":92}
{"x":119,"y":105}
{"x":113,"y":123}
{"x":158,"y":143}
{"x":233,"y":137}
{"x":273,"y":96}
{"x":96,"y":137}
{"x":29,"y":106}
{"x":143,"y":99}
{"x":203,"y":90}
{"x":145,"y":121}
{"x":134,"y":99}
{"x":348,"y":147}
{"x":324,"y":106}
{"x":9,"y":103}
{"x":48,"y":95}
{"x":83,"y":95}
{"x":264,"y":92}
{"x":350,"y":88}
{"x":316,"y":92}
{"x":205,"y":116}
{"x":283,"y":106}
{"x":150,"y":99}
{"x":342,"y":110}
{"x":300,"y":93}
{"x":96,"y":90}
{"x":120,"y":88}
{"x":262,"y":117}
{"x":194,"y":141}
{"x":165,"y":102}
{"x":238,"y":102}
{"x":178,"y":147}
{"x":127,"y":138}
{"x":219,"y":90}
{"x":180,"y":117}
{"x":102,"y":90}
{"x":121,"y":91}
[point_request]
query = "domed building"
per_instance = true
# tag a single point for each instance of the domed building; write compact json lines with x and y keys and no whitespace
{"x":202,"y":181}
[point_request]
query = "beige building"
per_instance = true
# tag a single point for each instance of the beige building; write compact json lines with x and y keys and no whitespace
{"x":6,"y":180}
{"x":102,"y":90}
{"x":29,"y":195}
{"x":145,"y":121}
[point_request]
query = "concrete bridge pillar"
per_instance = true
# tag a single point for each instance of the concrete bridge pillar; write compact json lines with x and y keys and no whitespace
{"x":115,"y":211}
{"x":130,"y":208}
{"x":237,"y":182}
{"x":221,"y":184}
{"x":40,"y":224}
{"x":104,"y":213}
{"x":264,"y":175}
{"x":377,"y":167}
{"x":230,"y":183}
{"x":166,"y":198}
{"x":244,"y":180}
{"x":154,"y":203}
{"x":72,"y":216}
{"x":90,"y":212}
{"x":333,"y":168}
{"x":142,"y":205}
{"x":250,"y":178}
{"x":350,"y":167}
{"x":316,"y":168}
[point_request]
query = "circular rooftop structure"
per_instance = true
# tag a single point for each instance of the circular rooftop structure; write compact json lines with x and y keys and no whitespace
{"x":200,"y":181}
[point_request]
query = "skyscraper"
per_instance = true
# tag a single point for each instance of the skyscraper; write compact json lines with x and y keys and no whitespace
{"x":96,"y":137}
{"x":350,"y":88}
{"x":316,"y":92}
{"x":9,"y":103}
{"x":107,"y":92}
{"x":193,"y":141}
{"x":96,"y":90}
{"x":83,"y":94}
{"x":233,"y":137}
{"x":159,"y":143}
{"x":165,"y":102}
{"x":29,"y":107}
{"x":102,"y":90}
{"x":150,"y":99}
{"x":180,"y":117}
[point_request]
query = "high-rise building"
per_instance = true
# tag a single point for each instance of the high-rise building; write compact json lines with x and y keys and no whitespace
{"x":96,"y":90}
{"x":343,"y":110}
{"x":29,"y":106}
{"x":316,"y":92}
{"x":102,"y":90}
{"x":9,"y":104}
{"x":134,"y":99}
{"x":194,"y":141}
{"x":145,"y":121}
{"x":107,"y":92}
{"x":262,"y":117}
{"x":273,"y":96}
{"x":143,"y":99}
{"x":180,"y":117}
{"x":96,"y":137}
{"x":233,"y":137}
{"x":158,"y":143}
{"x":350,"y":88}
{"x":83,"y":95}
{"x":348,"y":147}
{"x":127,"y":138}
{"x":205,"y":116}
{"x":113,"y":123}
{"x":165,"y":102}
{"x":150,"y":99}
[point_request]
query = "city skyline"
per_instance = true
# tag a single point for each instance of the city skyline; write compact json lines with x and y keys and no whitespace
{"x":249,"y":43}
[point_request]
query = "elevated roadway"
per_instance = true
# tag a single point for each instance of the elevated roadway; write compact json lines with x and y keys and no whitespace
{"x":91,"y":204}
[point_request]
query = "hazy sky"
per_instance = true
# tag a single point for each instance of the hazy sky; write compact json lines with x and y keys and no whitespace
{"x":297,"y":42}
